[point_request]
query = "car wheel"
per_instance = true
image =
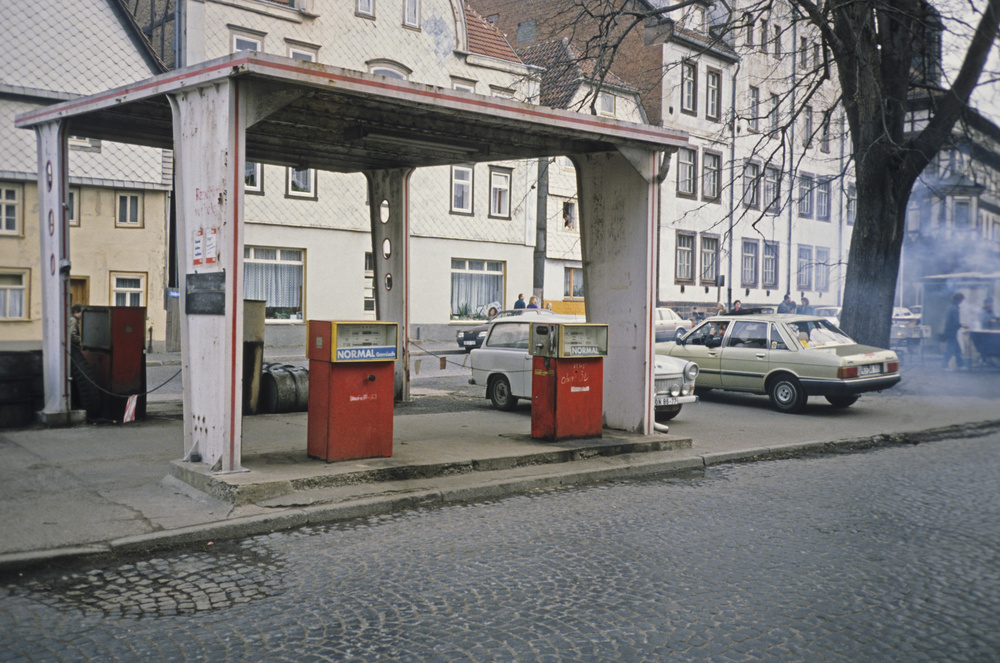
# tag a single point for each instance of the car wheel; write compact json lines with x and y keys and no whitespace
{"x":500,"y":394}
{"x":786,"y":394}
{"x":668,"y":413}
{"x":843,"y":401}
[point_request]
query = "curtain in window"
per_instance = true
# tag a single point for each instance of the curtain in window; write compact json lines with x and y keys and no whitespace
{"x":278,"y":285}
{"x":470,"y":292}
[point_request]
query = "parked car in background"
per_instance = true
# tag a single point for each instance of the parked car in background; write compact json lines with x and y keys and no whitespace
{"x":669,"y":325}
{"x":503,"y":367}
{"x":788,"y":357}
{"x":831,"y":313}
{"x":472,"y":338}
{"x":907,"y":333}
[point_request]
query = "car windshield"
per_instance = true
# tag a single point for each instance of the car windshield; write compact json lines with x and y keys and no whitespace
{"x":818,"y":334}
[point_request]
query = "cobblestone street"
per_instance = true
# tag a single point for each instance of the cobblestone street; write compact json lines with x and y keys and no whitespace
{"x":884,"y":555}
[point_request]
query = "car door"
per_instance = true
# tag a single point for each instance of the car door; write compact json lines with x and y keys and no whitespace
{"x":745,"y":356}
{"x":508,"y":348}
{"x":703,"y":347}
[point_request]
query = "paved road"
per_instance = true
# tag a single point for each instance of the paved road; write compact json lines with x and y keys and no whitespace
{"x":885,"y":555}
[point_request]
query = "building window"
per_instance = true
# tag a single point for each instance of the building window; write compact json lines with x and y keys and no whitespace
{"x":500,"y":192}
{"x":961,"y":214}
{"x":689,"y":88}
{"x":128,"y":289}
{"x":253,"y":177}
{"x":569,"y":215}
{"x":772,"y":190}
{"x":751,"y":186}
{"x":302,"y":53}
{"x":13,"y":294}
{"x":526,"y":32}
{"x":824,"y":135}
{"x":606,"y":104}
{"x":301,"y":183}
{"x":276,"y":276}
{"x":73,"y":207}
{"x":750,"y":260}
{"x":807,"y":125}
{"x":411,"y":13}
{"x":763,"y":36}
{"x":769,"y":266}
{"x":803,"y":52}
{"x":709,"y":260}
{"x":474,"y":285}
{"x":774,"y":119}
{"x":852,"y":204}
{"x":806,"y":196}
{"x":129,"y":210}
{"x":749,"y":25}
{"x":753,"y":121}
{"x":822,"y":269}
{"x":713,"y":96}
{"x":573,"y":282}
{"x":804,"y":276}
{"x":366,"y":8}
{"x":389,"y":69}
{"x":244,"y":43}
{"x":823,"y":200}
{"x":777,"y":41}
{"x":687,"y":172}
{"x":461,"y":189}
{"x":84,"y":144}
{"x":463,"y":84}
{"x":10,"y":210}
{"x":685,"y":257}
{"x":711,"y":180}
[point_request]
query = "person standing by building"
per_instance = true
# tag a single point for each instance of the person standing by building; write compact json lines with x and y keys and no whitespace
{"x":533,"y":302}
{"x":520,"y":301}
{"x":987,"y":317}
{"x":952,"y":323}
{"x":786,"y":305}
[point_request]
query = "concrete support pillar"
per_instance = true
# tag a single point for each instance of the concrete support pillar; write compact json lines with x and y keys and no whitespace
{"x":53,"y":174}
{"x":618,"y":214}
{"x":389,"y":204}
{"x":209,"y":139}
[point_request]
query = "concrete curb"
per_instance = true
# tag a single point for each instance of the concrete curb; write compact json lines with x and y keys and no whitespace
{"x":593,"y":470}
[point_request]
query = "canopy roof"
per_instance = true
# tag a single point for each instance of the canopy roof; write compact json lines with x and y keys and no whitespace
{"x":338,"y":120}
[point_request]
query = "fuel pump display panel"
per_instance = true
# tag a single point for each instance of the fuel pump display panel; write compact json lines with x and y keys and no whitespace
{"x":340,"y":342}
{"x":567,"y":340}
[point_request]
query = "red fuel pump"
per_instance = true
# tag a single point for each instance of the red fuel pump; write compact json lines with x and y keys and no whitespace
{"x":112,"y":339}
{"x":351,"y":390}
{"x":567,"y":386}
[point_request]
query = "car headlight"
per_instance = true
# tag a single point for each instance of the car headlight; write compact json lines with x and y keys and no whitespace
{"x":482,"y":334}
{"x":691,"y":371}
{"x":675,"y":389}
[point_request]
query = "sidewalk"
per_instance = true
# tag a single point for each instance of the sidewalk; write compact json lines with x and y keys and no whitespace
{"x":93,"y":490}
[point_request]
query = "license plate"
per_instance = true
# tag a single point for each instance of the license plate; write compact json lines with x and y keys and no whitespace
{"x":665,"y":400}
{"x":469,"y":342}
{"x":869,"y":369}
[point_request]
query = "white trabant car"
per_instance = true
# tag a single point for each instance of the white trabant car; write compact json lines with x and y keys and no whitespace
{"x":503,"y":366}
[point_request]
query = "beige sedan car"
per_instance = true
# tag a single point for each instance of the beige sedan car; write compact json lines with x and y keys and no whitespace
{"x":788,"y":357}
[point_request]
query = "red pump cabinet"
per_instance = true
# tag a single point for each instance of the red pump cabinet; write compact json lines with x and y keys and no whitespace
{"x":351,"y":392}
{"x":112,"y":339}
{"x":567,"y":382}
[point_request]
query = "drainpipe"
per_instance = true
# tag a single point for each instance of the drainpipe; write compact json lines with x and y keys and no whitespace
{"x":843,"y":220}
{"x":791,"y":153}
{"x":732,"y":184}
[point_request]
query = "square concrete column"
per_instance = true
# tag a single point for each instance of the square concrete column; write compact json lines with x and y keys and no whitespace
{"x":53,"y":174}
{"x":618,"y":215}
{"x":209,"y":140}
{"x":389,"y":198}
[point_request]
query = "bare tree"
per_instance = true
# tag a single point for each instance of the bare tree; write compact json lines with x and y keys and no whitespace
{"x":883,"y":53}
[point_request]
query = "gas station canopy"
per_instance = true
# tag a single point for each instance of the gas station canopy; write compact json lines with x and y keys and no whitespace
{"x":345,"y":121}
